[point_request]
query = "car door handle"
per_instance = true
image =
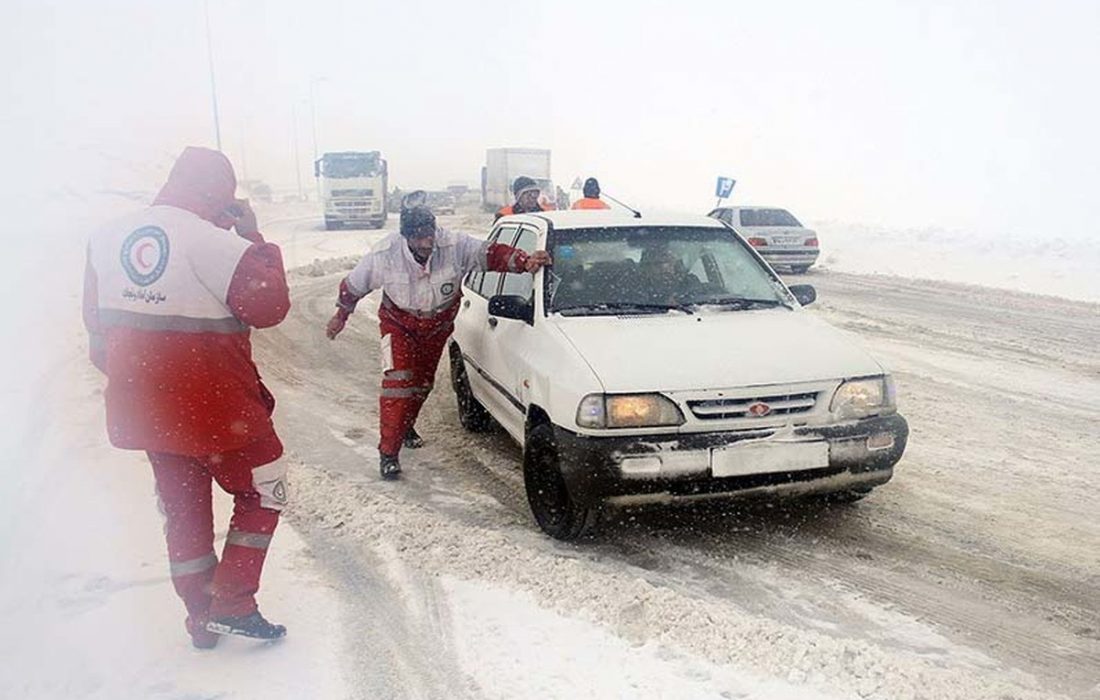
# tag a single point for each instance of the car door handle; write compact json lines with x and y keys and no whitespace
{"x":492,"y":321}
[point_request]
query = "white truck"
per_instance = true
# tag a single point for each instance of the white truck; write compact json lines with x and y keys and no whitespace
{"x":353,"y":187}
{"x":503,"y":165}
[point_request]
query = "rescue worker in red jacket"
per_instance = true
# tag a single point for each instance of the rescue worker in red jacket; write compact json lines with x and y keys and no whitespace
{"x":527,"y":192}
{"x":169,"y":297}
{"x":591,"y":198}
{"x":419,"y":271}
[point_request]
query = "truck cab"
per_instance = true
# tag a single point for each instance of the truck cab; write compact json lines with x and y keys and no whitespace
{"x":353,"y":187}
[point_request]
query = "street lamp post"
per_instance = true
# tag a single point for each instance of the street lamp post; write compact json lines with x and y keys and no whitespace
{"x":297,"y":160}
{"x":213,"y":85}
{"x":313,"y":82}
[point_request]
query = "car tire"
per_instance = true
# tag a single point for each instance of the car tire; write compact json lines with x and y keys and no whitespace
{"x":331,"y":225}
{"x":799,"y":269}
{"x":555,"y":511}
{"x":471,"y":414}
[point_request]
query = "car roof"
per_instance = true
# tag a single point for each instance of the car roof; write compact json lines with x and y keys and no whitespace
{"x":611,"y":218}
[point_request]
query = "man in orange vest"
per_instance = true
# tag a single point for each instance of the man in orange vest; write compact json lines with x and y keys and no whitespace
{"x":591,"y":196}
{"x":526,"y":191}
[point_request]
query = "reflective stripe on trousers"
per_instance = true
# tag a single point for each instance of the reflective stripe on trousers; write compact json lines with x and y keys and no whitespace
{"x":414,"y":346}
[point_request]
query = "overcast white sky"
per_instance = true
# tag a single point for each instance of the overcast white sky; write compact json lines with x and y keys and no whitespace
{"x":971,"y":115}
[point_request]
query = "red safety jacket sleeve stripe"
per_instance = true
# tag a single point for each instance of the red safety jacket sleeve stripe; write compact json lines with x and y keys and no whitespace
{"x":258,"y":294}
{"x":505,"y":258}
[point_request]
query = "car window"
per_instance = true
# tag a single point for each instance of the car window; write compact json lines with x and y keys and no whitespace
{"x":653,"y":266}
{"x":485,"y":283}
{"x":767,"y":217}
{"x":522,"y":284}
{"x":491,"y":282}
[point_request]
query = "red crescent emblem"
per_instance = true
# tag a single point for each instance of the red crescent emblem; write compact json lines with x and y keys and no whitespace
{"x":140,"y":254}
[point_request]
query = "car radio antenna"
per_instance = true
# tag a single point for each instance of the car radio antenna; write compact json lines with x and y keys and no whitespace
{"x":637,"y":214}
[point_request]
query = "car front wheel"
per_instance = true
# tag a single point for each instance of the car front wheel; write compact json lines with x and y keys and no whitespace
{"x":554,"y":509}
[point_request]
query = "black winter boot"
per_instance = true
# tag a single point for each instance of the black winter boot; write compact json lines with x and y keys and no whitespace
{"x":389,"y":466}
{"x":413,"y":439}
{"x":252,"y":625}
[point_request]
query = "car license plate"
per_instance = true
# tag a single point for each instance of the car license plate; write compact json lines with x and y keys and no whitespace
{"x":788,"y":240}
{"x":767,"y":457}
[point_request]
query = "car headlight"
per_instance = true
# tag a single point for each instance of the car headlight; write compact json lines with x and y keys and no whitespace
{"x":627,"y":411}
{"x":859,"y":398}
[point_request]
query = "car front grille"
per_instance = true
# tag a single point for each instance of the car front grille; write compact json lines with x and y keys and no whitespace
{"x":740,"y":408}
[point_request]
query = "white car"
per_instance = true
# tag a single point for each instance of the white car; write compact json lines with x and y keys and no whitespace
{"x":779,"y":237}
{"x":662,"y":359}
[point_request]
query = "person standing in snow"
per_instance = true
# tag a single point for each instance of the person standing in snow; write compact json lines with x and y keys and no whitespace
{"x":591,"y":199}
{"x":526,"y":192}
{"x":169,"y":297}
{"x":419,"y":270}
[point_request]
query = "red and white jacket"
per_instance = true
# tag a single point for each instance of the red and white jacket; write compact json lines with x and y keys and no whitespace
{"x":168,"y":302}
{"x":428,"y":290}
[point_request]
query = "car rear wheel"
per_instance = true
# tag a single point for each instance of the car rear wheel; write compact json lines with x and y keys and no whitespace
{"x":799,"y":269}
{"x":471,"y":413}
{"x":555,"y":511}
{"x":332,"y":224}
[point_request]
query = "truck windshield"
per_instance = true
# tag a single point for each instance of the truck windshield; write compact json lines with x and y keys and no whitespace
{"x":350,"y":165}
{"x":653,"y":269}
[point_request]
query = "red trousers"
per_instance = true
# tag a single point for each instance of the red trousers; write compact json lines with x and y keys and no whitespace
{"x":210,"y":588}
{"x":411,"y":347}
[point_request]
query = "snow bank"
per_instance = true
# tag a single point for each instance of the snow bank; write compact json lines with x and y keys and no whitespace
{"x":1056,"y":264}
{"x":513,"y":648}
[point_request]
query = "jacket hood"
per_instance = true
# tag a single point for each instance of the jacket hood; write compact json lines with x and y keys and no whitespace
{"x":203,"y":183}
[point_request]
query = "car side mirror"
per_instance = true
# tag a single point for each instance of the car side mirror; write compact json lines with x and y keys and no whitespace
{"x":805,"y":293}
{"x":511,"y":306}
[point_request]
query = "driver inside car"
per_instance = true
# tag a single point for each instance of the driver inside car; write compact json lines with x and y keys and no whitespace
{"x":665,"y":279}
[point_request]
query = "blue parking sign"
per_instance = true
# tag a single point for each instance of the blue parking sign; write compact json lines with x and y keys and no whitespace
{"x":725,"y":187}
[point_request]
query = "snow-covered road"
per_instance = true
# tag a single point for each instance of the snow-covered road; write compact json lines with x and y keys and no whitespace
{"x":974,"y":573}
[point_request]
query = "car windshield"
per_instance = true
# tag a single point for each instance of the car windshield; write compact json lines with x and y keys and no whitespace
{"x":653,"y":269}
{"x":350,"y":165}
{"x":768,"y":217}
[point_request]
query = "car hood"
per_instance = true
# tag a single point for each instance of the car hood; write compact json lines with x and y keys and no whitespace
{"x":714,"y":350}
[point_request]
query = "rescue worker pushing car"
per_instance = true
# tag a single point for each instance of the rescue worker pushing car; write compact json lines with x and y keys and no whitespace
{"x":169,"y":297}
{"x":419,"y":270}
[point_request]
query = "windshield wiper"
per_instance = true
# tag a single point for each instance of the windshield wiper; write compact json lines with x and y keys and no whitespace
{"x":615,"y":307}
{"x":741,"y":303}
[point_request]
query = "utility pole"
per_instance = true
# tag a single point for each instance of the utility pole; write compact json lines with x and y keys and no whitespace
{"x":297,"y":159}
{"x":313,"y":119}
{"x":213,"y":84}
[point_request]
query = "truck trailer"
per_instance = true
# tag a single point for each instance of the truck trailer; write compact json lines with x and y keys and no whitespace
{"x":503,"y":165}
